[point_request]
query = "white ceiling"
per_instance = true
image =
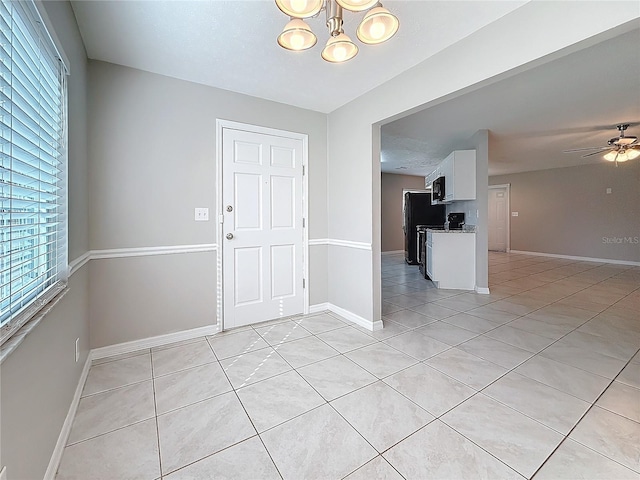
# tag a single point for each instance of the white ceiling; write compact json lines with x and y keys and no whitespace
{"x":232,"y":44}
{"x":572,"y":102}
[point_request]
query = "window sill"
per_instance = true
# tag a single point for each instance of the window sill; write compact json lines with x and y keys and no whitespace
{"x":18,"y":337}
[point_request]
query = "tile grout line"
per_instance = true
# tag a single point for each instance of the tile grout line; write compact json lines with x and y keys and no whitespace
{"x":155,"y":409}
{"x":235,"y":392}
{"x":435,"y":417}
{"x":535,"y":354}
{"x":326,"y":402}
{"x":241,"y":404}
{"x":602,"y":282}
{"x":591,"y":406}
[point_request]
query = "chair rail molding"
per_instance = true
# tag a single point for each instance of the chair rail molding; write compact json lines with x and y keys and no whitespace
{"x":83,"y":259}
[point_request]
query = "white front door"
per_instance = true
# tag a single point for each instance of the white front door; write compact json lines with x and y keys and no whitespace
{"x":498,"y":231}
{"x":262,"y":230}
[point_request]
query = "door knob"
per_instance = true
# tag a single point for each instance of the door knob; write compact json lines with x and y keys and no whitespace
{"x":229,"y":236}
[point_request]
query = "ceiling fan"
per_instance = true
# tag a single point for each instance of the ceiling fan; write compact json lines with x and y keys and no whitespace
{"x":621,"y":148}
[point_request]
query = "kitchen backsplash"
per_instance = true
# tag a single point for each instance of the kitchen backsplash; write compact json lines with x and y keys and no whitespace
{"x":468,"y":207}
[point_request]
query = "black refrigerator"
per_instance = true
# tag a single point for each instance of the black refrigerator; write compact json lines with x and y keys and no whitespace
{"x":419,"y":211}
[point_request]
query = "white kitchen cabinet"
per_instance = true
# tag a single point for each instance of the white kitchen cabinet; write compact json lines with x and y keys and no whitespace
{"x":429,"y":259}
{"x":451,"y":259}
{"x":428,"y":180}
{"x":460,"y":176}
{"x":459,"y":172}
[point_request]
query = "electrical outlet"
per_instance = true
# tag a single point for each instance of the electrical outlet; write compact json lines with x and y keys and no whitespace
{"x":608,"y":191}
{"x":514,"y":214}
{"x":202,"y":214}
{"x":77,"y":349}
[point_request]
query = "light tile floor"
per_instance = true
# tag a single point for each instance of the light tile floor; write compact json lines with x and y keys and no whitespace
{"x":540,"y":379}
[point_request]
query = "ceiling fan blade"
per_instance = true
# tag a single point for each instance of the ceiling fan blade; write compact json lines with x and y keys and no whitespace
{"x":594,"y":153}
{"x":585,"y":149}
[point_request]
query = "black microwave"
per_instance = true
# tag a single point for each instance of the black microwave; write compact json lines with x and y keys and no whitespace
{"x":437,"y":189}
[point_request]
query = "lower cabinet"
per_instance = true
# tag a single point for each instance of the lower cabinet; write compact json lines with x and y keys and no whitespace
{"x":429,"y":259}
{"x":451,"y":260}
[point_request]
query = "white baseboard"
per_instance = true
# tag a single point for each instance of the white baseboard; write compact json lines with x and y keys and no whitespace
{"x":357,"y":319}
{"x":482,"y":290}
{"x":393,"y":252}
{"x":346,"y":314}
{"x":319,"y":307}
{"x":56,"y":456}
{"x":127,"y":347}
{"x":582,"y":259}
{"x":340,"y":243}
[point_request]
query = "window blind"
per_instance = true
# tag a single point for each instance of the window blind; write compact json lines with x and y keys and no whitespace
{"x":33,"y":215}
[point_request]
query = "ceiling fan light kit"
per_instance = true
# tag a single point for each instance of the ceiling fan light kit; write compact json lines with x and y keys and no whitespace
{"x":620,"y":149}
{"x":377,"y":26}
{"x":618,"y":156}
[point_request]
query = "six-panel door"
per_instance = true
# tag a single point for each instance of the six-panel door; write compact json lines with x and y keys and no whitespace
{"x":262,"y":229}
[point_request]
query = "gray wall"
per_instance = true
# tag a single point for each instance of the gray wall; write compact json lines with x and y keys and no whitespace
{"x":392,"y":186}
{"x":153,"y":295}
{"x":567,"y":211}
{"x":153,"y":159}
{"x":39,"y":378}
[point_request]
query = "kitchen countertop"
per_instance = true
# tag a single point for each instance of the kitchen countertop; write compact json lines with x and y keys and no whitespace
{"x":435,"y":230}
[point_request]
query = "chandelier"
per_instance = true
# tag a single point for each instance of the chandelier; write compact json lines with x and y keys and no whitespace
{"x":377,"y":26}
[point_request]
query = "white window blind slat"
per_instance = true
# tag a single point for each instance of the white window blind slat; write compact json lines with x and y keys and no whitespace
{"x":31,"y":136}
{"x":18,"y":178}
{"x":21,"y":167}
{"x":23,"y":111}
{"x":23,"y":108}
{"x":33,"y":237}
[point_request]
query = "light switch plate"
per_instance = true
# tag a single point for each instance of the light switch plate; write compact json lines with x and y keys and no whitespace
{"x":514,"y":214}
{"x":608,"y":191}
{"x":202,"y":214}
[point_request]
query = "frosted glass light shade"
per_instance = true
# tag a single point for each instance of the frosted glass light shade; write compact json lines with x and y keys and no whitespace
{"x":297,"y":36}
{"x":633,"y":153}
{"x":339,"y":49}
{"x":357,"y":5}
{"x":299,"y":8}
{"x":622,"y":156}
{"x":377,"y":26}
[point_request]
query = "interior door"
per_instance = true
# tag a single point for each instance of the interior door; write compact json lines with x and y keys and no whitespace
{"x":498,"y":219}
{"x":262,"y":227}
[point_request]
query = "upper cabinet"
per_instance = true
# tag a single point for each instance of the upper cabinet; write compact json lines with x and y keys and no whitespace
{"x":459,"y":172}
